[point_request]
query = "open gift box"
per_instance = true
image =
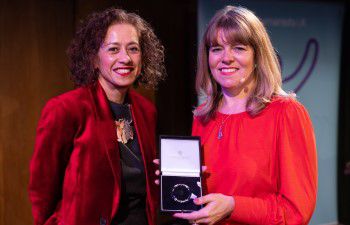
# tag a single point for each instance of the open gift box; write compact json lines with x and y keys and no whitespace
{"x":180,"y":178}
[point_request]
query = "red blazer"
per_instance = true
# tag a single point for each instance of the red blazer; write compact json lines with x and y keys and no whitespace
{"x":75,"y":169}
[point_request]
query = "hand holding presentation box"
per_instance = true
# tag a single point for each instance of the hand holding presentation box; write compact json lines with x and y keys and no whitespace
{"x":180,"y":178}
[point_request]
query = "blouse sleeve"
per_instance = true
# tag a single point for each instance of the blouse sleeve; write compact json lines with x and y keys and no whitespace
{"x":54,"y":139}
{"x":195,"y":126}
{"x":295,"y":200}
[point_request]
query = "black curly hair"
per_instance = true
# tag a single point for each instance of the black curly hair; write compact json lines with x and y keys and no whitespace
{"x":90,"y":35}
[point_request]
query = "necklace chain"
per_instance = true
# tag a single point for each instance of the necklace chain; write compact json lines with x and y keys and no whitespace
{"x":131,"y":152}
{"x":220,"y":132}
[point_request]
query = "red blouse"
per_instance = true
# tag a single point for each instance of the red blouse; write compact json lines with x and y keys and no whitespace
{"x":268,"y":163}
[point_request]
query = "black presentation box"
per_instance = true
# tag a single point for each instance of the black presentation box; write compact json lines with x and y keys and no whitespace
{"x":180,"y":178}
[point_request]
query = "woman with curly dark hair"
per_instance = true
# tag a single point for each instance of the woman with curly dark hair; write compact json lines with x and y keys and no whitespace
{"x":92,"y":162}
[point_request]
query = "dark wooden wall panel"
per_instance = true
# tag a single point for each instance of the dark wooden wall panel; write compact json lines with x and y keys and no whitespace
{"x":34,"y":36}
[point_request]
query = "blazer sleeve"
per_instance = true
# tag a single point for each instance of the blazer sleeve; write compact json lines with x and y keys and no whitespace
{"x":54,"y":141}
{"x":295,"y":200}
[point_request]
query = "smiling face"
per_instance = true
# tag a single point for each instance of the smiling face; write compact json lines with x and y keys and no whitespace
{"x":231,"y":64}
{"x":119,"y":57}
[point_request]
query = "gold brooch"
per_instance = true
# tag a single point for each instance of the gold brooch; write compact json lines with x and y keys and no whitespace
{"x":124,"y":130}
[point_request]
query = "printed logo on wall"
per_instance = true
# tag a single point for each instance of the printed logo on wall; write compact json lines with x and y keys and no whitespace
{"x":311,"y":51}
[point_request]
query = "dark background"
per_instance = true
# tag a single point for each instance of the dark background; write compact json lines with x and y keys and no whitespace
{"x":33,"y":68}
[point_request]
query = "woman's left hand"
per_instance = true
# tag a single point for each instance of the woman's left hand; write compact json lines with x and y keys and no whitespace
{"x":218,"y":207}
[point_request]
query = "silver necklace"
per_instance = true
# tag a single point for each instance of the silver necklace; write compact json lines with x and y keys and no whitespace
{"x":221,"y":127}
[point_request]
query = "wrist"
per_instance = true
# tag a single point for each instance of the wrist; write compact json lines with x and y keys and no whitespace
{"x":232,"y":203}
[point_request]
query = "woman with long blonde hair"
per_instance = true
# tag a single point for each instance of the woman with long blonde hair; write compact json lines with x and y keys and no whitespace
{"x":258,"y":141}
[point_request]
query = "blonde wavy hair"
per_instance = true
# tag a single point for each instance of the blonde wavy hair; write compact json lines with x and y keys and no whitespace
{"x":239,"y":25}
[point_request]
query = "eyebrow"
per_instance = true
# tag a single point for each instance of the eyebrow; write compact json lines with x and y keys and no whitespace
{"x":117,"y":43}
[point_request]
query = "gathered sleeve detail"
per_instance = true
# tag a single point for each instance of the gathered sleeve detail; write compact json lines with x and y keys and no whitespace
{"x":296,"y":164}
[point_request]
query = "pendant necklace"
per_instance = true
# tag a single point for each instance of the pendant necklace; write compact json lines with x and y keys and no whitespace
{"x":221,"y":127}
{"x":124,"y":130}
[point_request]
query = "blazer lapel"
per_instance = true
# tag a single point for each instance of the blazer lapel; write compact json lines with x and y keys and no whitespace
{"x":108,"y":135}
{"x":137,"y":117}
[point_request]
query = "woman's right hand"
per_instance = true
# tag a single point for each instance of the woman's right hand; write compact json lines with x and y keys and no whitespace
{"x":217,"y":207}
